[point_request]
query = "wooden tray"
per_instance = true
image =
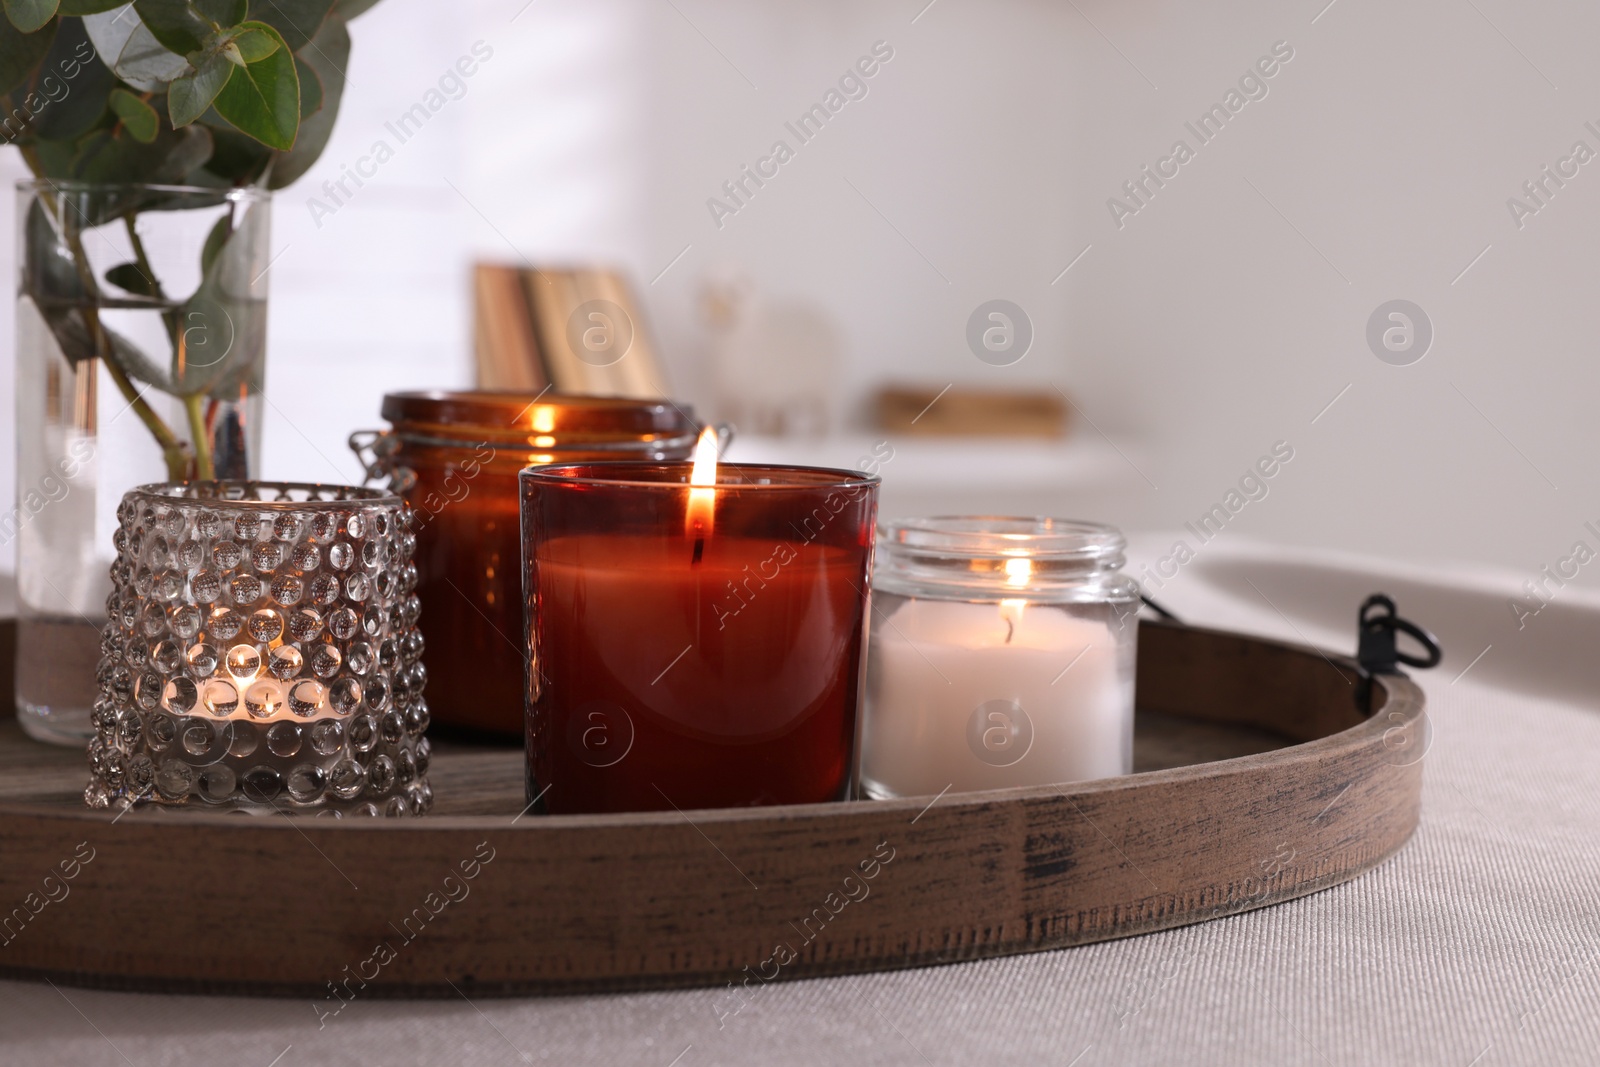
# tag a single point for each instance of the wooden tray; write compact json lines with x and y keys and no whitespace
{"x":1301,"y":792}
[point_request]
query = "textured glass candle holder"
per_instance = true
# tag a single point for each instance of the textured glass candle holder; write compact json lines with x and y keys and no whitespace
{"x":262,"y":653}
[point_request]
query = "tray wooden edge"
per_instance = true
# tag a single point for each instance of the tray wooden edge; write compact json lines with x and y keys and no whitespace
{"x":438,"y":989}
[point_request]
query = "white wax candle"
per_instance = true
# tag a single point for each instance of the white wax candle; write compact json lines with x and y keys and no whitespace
{"x":985,"y":696}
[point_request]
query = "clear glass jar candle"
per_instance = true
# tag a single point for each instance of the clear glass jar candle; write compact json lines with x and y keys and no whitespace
{"x":1001,"y":654}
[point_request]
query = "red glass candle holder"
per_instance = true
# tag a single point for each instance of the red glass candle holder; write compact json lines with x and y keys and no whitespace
{"x":693,"y":647}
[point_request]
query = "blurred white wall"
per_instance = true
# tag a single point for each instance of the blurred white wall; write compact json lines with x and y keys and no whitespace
{"x":1223,"y":317}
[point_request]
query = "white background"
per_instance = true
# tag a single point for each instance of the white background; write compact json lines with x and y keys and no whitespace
{"x":1222,"y":318}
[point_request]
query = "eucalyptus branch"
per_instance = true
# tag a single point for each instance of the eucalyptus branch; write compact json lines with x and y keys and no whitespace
{"x":140,"y":257}
{"x":192,"y":404}
{"x":229,"y":93}
{"x":198,"y":435}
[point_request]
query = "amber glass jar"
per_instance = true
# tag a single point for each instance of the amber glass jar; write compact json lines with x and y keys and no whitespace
{"x":455,"y":457}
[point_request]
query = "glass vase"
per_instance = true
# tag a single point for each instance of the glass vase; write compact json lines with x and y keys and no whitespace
{"x":141,"y":339}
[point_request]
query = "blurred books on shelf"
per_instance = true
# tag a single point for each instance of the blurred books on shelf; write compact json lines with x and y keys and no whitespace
{"x":957,"y":411}
{"x":578,"y":331}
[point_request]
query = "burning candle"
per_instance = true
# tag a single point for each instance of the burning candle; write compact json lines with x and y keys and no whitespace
{"x":1003,"y":656}
{"x":696,"y":632}
{"x":455,"y":456}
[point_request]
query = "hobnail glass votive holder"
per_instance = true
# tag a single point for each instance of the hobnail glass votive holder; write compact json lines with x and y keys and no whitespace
{"x":262,"y":653}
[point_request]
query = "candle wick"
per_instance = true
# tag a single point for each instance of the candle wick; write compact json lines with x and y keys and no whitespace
{"x":699,"y":549}
{"x":1011,"y":628}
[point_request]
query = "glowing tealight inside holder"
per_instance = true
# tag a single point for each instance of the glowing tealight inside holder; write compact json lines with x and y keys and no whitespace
{"x":1002,"y":654}
{"x":262,"y":653}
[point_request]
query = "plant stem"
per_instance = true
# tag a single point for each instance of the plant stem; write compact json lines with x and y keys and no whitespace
{"x":142,"y":261}
{"x":204,"y":469}
{"x":141,"y":257}
{"x":173,"y":451}
{"x":201,"y":440}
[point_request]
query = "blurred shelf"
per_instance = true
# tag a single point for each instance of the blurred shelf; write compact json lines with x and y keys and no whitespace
{"x":920,"y":463}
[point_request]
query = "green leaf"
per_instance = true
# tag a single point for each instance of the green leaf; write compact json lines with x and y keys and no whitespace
{"x":349,"y":9}
{"x":50,"y":280}
{"x":55,"y":157}
{"x":138,"y":117}
{"x":189,"y":96}
{"x":110,"y":30}
{"x":66,"y":94}
{"x":146,"y":64}
{"x":297,"y":20}
{"x":48,"y":273}
{"x":72,"y":333}
{"x":329,"y":57}
{"x":310,"y":89}
{"x":237,"y":159}
{"x":223,"y":324}
{"x":49,"y":277}
{"x":89,"y":7}
{"x":262,"y":99}
{"x":254,"y":45}
{"x":20,"y":52}
{"x":129,"y":276}
{"x":105,"y":156}
{"x":185,"y":26}
{"x":215,"y":240}
{"x":221,"y":12}
{"x":30,"y":15}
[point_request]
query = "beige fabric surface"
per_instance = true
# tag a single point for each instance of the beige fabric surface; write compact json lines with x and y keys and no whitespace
{"x":1476,"y":945}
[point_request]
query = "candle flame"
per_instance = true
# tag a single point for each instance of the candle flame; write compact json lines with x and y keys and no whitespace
{"x":705,"y":458}
{"x":1018,"y":570}
{"x":702,"y":477}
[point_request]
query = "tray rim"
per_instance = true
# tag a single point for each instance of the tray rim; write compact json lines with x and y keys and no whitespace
{"x":1401,"y":694}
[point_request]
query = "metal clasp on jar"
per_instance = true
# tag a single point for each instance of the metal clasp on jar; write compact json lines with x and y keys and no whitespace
{"x":376,"y":451}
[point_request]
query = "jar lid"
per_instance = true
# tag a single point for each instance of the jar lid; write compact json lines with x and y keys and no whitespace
{"x":989,"y":555}
{"x":485,"y":415}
